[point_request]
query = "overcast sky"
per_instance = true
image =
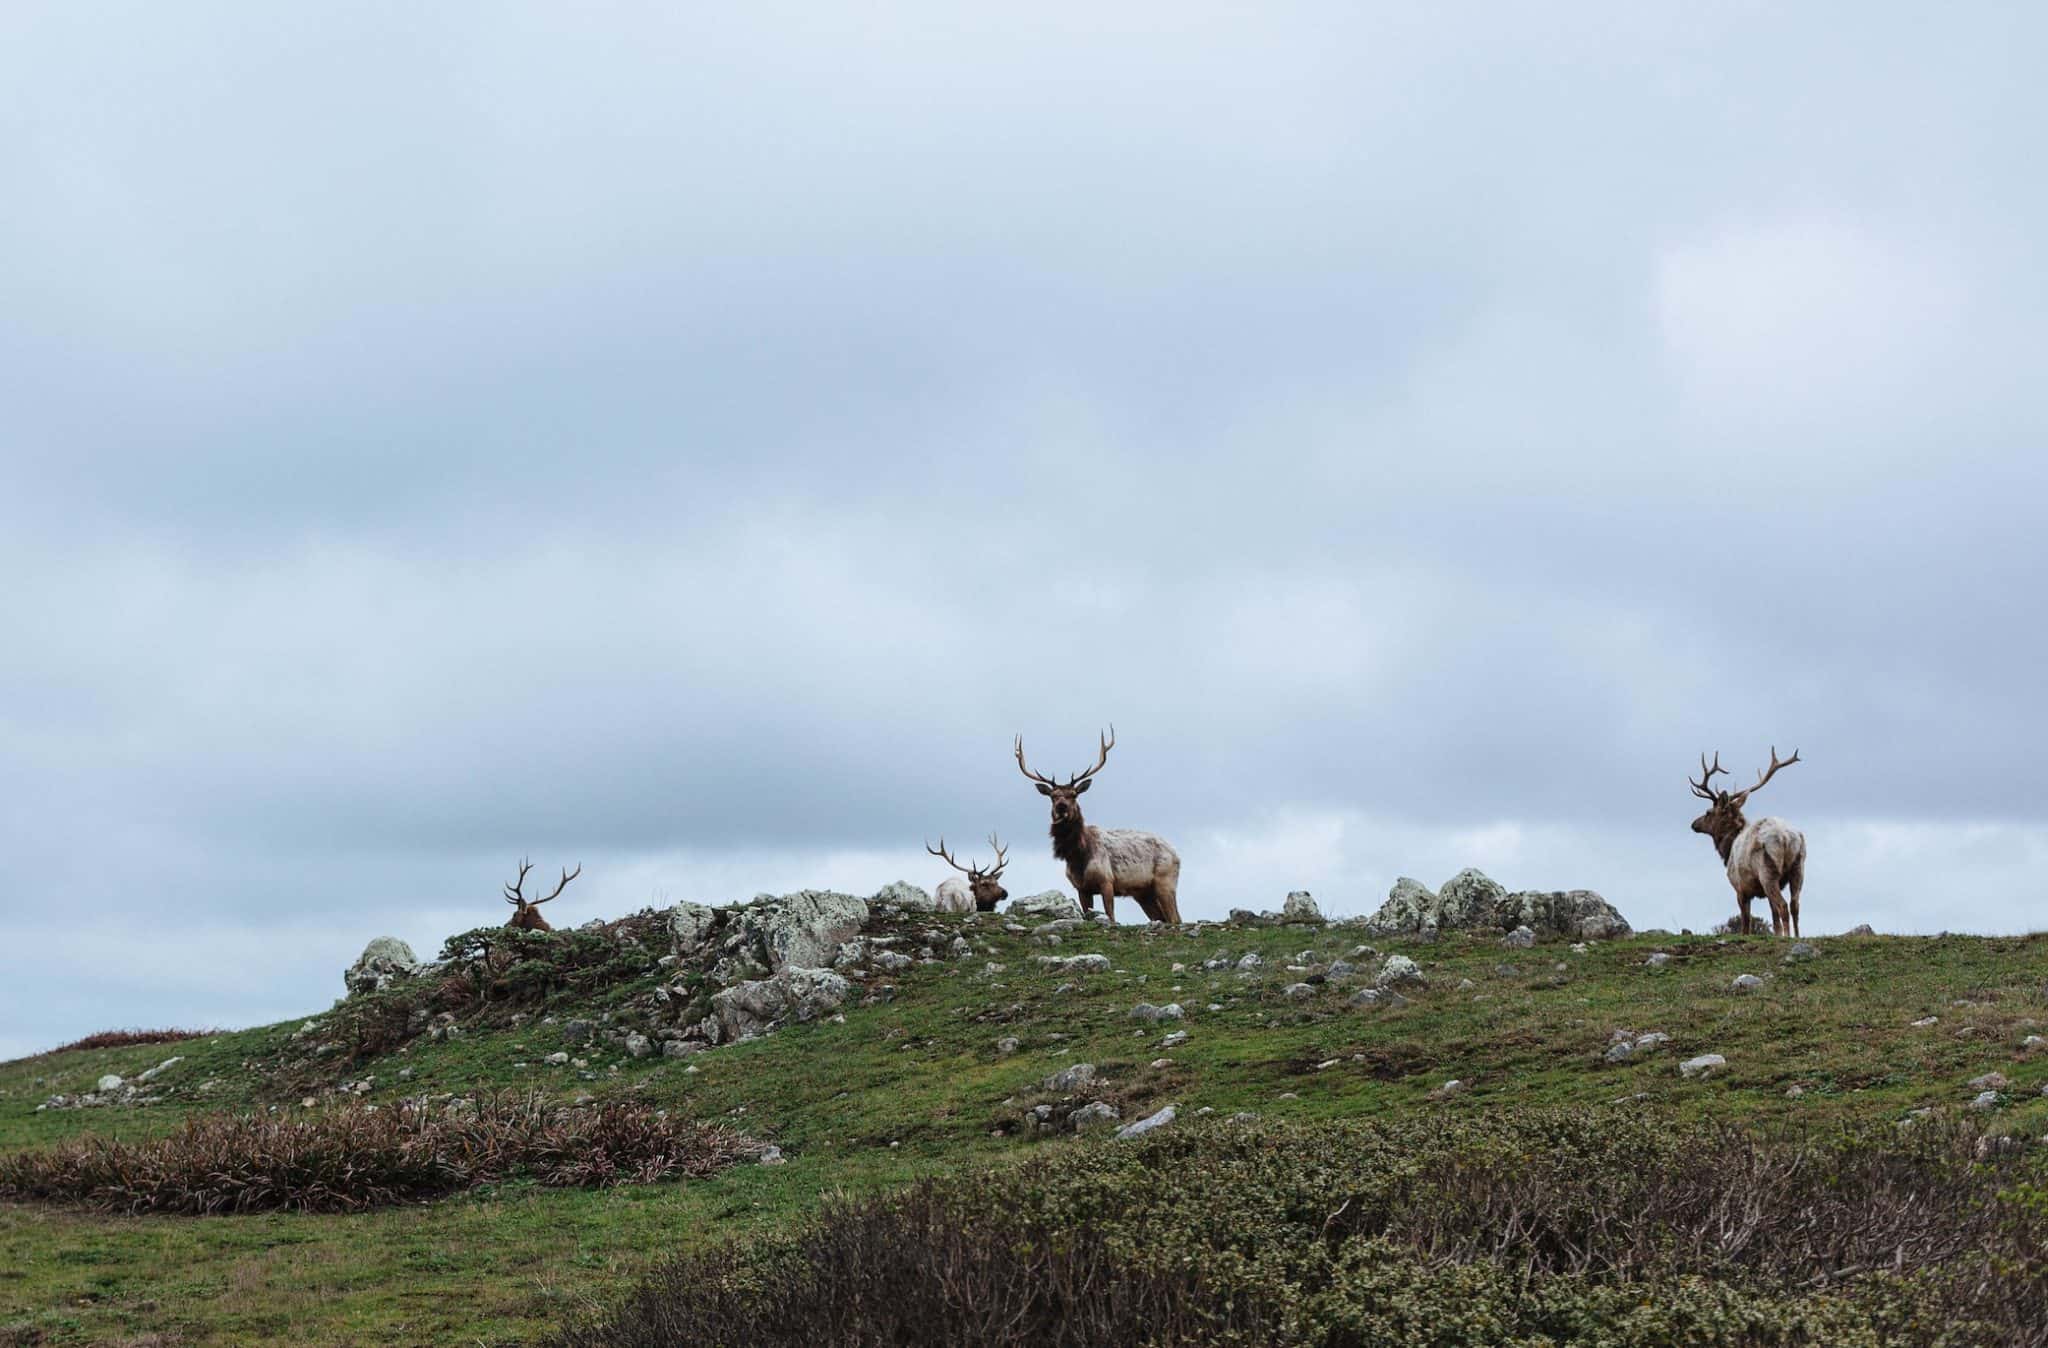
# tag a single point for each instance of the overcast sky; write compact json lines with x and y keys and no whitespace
{"x":692,"y":440}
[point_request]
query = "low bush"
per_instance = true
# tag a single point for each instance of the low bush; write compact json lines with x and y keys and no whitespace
{"x":355,"y":1156}
{"x":127,"y":1038}
{"x":1525,"y":1228}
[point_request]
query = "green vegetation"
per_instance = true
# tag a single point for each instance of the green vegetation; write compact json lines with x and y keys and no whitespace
{"x":916,"y":1086}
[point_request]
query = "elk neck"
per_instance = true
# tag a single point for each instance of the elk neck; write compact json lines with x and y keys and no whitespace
{"x":1726,"y":833}
{"x":1072,"y":841}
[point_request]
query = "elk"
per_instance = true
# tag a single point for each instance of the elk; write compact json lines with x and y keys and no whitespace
{"x":525,"y":914}
{"x":1108,"y":861}
{"x":979,"y":892}
{"x":1764,"y":857}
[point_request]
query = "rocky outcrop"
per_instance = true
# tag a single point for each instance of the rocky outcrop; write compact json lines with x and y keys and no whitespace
{"x":1472,"y":901}
{"x":383,"y":962}
{"x":1052,"y":903}
{"x":904,"y":895}
{"x":690,"y":925}
{"x":798,"y":994}
{"x":1299,"y":907}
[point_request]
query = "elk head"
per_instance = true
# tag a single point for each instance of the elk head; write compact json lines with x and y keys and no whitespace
{"x":988,"y":892}
{"x":1065,"y":796}
{"x":1723,"y":819}
{"x":524,"y":910}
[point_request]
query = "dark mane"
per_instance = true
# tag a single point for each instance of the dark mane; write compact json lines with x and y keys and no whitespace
{"x":1072,"y":842}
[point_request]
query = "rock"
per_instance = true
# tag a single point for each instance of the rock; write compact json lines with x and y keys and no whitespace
{"x":1566,"y":915}
{"x":1174,"y":1040}
{"x":803,"y":930}
{"x":1399,"y":971}
{"x":1746,"y":983}
{"x":1451,"y":1087}
{"x":1008,"y":1046}
{"x":1985,"y":1100}
{"x":1147,"y":1011}
{"x":1468,"y":899}
{"x":1657,"y":960}
{"x":1070,"y":1079}
{"x":109,"y":1082}
{"x":1860,"y":929}
{"x":1299,"y":907}
{"x":638,"y":1045}
{"x":576,"y":1032}
{"x":1651,"y":1040}
{"x":383,"y":962}
{"x":1410,"y":904}
{"x":153,"y":1073}
{"x":753,"y":1008}
{"x":681,"y":1048}
{"x":1078,"y":964}
{"x":1926,"y":1022}
{"x":1521,"y":938}
{"x":2033,"y":1041}
{"x":1800,"y":950}
{"x":908,"y":897}
{"x":690,"y":926}
{"x":1250,"y":962}
{"x":771,"y":1155}
{"x":1298,"y":992}
{"x":1052,"y":903}
{"x":1146,"y":1124}
{"x":1342,"y":969}
{"x":1095,"y":1114}
{"x":1990,"y":1081}
{"x":890,"y":961}
{"x":1243,"y":917}
{"x":1702,"y":1065}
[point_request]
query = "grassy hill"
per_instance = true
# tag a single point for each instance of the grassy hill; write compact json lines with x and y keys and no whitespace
{"x":1868,"y":1031}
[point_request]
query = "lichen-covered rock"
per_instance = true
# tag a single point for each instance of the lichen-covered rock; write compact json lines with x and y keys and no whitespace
{"x":1051,"y":903}
{"x":798,"y":994}
{"x":1521,"y":938}
{"x":383,"y":962}
{"x":1565,"y":915}
{"x":1468,"y":900}
{"x":1399,"y":971}
{"x":1071,"y":1078}
{"x":904,"y":895}
{"x":690,"y":926}
{"x":1095,"y":1114}
{"x":803,"y":930}
{"x":1146,"y":1124}
{"x":1299,"y":907}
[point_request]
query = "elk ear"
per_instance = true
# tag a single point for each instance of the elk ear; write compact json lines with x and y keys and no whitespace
{"x":1044,"y":790}
{"x":1084,"y":785}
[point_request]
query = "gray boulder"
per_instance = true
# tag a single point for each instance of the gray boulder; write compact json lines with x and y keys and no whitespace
{"x":1095,"y":1114}
{"x":803,"y":930}
{"x":1071,"y":1078}
{"x":1521,"y":938}
{"x":689,"y":927}
{"x":1468,"y":900}
{"x":383,"y":962}
{"x":1051,"y":903}
{"x":904,"y":895}
{"x":755,"y":1008}
{"x":1300,"y":907}
{"x":1146,"y":1124}
{"x":1399,"y":971}
{"x":1569,"y":915}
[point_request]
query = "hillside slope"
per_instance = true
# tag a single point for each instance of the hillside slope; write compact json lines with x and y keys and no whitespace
{"x":922,"y":1082}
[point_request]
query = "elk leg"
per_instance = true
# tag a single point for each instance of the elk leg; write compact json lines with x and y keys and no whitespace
{"x":1772,"y":883}
{"x":1748,"y":923}
{"x":1798,"y":879}
{"x":1164,"y":893}
{"x":1109,"y":900}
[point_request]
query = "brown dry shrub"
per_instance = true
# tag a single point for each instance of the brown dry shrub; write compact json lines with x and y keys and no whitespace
{"x":128,"y":1038}
{"x":356,"y":1156}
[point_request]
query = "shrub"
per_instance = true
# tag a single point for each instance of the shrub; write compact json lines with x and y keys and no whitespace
{"x":358,"y":1156}
{"x":127,"y":1038}
{"x":1522,"y":1228}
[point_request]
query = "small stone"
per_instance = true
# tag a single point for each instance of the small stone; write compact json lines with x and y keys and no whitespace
{"x":1801,"y":950}
{"x":109,"y":1082}
{"x":1702,"y":1065}
{"x":1860,"y":929}
{"x":1794,"y":1091}
{"x":1251,"y":961}
{"x":1146,"y":1124}
{"x":1069,"y":1079}
{"x":1008,"y":1046}
{"x":1658,"y":960}
{"x":1926,"y":1021}
{"x":1985,"y":1100}
{"x":1161,"y":1063}
{"x":1174,"y":1040}
{"x":1299,"y":907}
{"x":558,"y":1059}
{"x":1451,"y":1087}
{"x":1466,"y":985}
{"x":1990,"y":1081}
{"x":1521,"y":938}
{"x":638,"y":1045}
{"x":1094,"y":1114}
{"x":1747,"y":983}
{"x":1147,"y":1011}
{"x":1399,"y":970}
{"x":1296,"y":992}
{"x":771,"y":1156}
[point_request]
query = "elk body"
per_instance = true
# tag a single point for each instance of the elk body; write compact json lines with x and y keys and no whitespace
{"x":980,"y":891}
{"x":526,"y":912}
{"x":1763,"y":858}
{"x":1111,"y":862}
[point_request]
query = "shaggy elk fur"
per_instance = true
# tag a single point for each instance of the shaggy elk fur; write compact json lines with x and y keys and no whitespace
{"x":1763,"y":858}
{"x":1111,"y":862}
{"x":980,"y":891}
{"x":525,"y":914}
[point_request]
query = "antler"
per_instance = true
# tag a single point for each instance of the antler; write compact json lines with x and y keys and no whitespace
{"x":567,"y":876}
{"x":1700,"y":787}
{"x":1002,"y":855}
{"x":1770,"y":772}
{"x":1101,"y":758}
{"x":512,"y":894}
{"x":940,"y":851}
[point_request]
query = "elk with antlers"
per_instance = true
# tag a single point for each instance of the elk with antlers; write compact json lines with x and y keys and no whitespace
{"x":525,"y":914}
{"x":980,"y":891}
{"x":1111,"y":862}
{"x":1763,"y":858}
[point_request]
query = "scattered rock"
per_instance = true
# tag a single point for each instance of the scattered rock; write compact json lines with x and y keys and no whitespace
{"x":1657,"y":960}
{"x":690,"y":926}
{"x":906,"y":896}
{"x":1925,"y":1021}
{"x":1146,"y":1124}
{"x":1008,"y":1046}
{"x":1568,"y":915}
{"x":757,"y":1007}
{"x":1860,"y":929}
{"x":1174,"y":1040}
{"x":1702,"y":1065}
{"x":1298,"y":991}
{"x":1985,"y":1100}
{"x":1299,"y":907}
{"x":1990,"y":1081}
{"x":771,"y":1155}
{"x":1051,"y":903}
{"x":1095,"y":1114}
{"x":1250,"y":962}
{"x":1070,"y":1079}
{"x":384,"y":961}
{"x":1147,"y":1011}
{"x":108,"y":1083}
{"x":1521,"y":938}
{"x":1801,"y":950}
{"x":1747,"y":983}
{"x":1399,"y":971}
{"x":638,"y":1045}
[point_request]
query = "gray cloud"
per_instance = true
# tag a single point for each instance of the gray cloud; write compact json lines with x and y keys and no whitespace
{"x":695,"y":443}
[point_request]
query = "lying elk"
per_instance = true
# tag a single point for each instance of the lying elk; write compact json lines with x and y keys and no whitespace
{"x":1108,"y":861}
{"x":979,"y":892}
{"x":1762,"y":858}
{"x":525,"y":914}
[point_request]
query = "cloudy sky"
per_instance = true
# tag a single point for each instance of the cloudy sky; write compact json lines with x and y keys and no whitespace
{"x":692,"y":440}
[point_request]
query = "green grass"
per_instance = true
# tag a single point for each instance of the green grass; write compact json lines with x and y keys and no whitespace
{"x":916,"y":1086}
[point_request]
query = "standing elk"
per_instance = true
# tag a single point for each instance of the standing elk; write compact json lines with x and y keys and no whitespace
{"x":979,"y":892}
{"x":1108,"y":861}
{"x":525,"y":914}
{"x":1762,"y":858}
